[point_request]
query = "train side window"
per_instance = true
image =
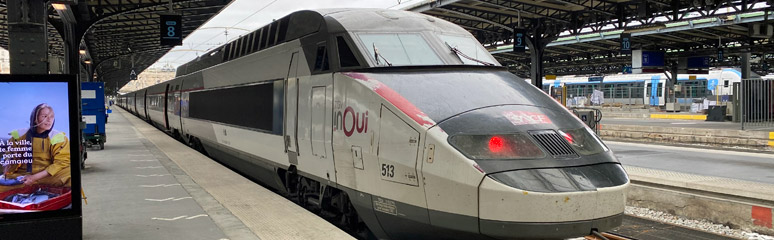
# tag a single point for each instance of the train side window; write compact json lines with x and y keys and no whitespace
{"x":725,"y":83}
{"x":648,"y":89}
{"x":321,"y":62}
{"x":660,"y":89}
{"x":346,"y":57}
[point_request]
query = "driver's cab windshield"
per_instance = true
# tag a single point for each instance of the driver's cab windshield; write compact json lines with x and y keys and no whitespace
{"x":399,"y":49}
{"x":470,"y":51}
{"x":412,"y":49}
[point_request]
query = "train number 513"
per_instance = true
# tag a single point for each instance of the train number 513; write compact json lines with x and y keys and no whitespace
{"x":388,"y":170}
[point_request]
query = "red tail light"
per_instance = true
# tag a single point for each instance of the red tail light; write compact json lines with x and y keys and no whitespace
{"x":503,"y":146}
{"x":496,"y":144}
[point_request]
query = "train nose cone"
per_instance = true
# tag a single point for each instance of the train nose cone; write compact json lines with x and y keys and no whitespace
{"x":552,"y":203}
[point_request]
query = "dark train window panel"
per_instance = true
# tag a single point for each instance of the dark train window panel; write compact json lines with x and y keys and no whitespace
{"x":283,"y":29}
{"x":257,"y":41}
{"x":273,"y":34}
{"x":264,"y":38}
{"x":321,"y":62}
{"x":346,"y":57}
{"x":247,"y":106}
{"x":226,"y":52}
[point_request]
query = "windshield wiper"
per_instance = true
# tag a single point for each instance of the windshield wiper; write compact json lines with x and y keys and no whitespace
{"x":377,"y":55}
{"x":460,"y":54}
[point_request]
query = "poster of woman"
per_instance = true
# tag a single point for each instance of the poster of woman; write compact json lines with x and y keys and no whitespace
{"x":34,"y":145}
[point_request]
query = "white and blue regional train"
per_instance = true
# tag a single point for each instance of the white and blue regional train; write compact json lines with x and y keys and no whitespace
{"x":649,"y":88}
{"x":397,"y":124}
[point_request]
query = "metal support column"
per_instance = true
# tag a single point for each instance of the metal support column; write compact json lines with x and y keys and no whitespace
{"x":536,"y":66}
{"x":746,"y":72}
{"x":28,"y":39}
{"x":670,"y":95}
{"x":536,"y":47}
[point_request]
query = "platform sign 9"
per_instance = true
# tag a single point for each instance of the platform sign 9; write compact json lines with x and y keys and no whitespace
{"x":626,"y":43}
{"x":519,"y":40}
{"x":171,"y":30}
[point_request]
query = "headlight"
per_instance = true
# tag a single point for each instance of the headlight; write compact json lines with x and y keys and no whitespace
{"x":505,"y":146}
{"x":584,"y":141}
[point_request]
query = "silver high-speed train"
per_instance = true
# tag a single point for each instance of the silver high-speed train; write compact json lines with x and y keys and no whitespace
{"x":398,"y":124}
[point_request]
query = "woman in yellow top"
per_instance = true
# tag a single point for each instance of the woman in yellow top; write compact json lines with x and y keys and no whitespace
{"x":50,"y":153}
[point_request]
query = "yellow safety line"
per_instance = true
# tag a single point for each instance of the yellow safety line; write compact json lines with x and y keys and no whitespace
{"x":679,"y":116}
{"x":83,"y":195}
{"x":771,"y":138}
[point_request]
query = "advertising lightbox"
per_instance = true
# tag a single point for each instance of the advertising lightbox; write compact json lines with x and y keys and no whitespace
{"x":39,"y":148}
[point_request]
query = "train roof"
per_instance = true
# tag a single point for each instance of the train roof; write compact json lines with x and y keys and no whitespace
{"x":387,"y":20}
{"x":325,"y":21}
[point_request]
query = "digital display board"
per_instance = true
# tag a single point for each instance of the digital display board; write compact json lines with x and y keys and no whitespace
{"x":698,"y":62}
{"x":652,"y":59}
{"x":39,"y":147}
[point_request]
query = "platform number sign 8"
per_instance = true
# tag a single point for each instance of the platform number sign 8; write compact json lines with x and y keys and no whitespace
{"x":519,"y":40}
{"x":626,"y":43}
{"x":171,"y":30}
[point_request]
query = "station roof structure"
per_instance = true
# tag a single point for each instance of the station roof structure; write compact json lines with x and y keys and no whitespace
{"x":119,"y":35}
{"x":582,"y":36}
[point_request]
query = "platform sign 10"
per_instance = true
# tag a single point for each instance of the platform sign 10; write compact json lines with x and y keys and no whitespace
{"x":171,"y":30}
{"x":626,"y":43}
{"x":519,"y":40}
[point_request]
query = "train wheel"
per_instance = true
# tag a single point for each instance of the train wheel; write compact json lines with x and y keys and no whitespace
{"x":291,"y":183}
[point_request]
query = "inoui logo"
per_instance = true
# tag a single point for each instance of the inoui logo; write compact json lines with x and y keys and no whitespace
{"x":350,"y":121}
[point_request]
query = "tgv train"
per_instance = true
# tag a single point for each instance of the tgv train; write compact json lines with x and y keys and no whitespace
{"x":647,"y":88}
{"x":395,"y":123}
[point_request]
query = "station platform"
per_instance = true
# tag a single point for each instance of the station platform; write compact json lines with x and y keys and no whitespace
{"x":740,"y":204}
{"x":683,"y":123}
{"x":715,"y":135}
{"x":146,"y":185}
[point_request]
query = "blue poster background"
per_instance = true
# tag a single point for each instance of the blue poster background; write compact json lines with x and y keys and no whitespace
{"x":18,"y":99}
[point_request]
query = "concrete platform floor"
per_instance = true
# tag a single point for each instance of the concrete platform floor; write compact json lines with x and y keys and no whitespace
{"x":146,"y":185}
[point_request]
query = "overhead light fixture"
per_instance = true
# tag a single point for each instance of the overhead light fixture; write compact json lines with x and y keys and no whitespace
{"x":645,"y":28}
{"x":82,"y":51}
{"x":87,"y":61}
{"x":59,"y":6}
{"x":65,"y":12}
